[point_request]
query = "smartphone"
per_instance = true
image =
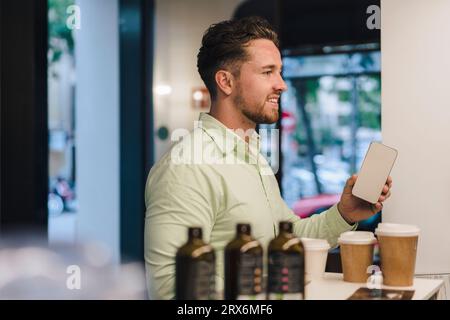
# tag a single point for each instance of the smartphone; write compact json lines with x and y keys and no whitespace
{"x":375,"y":170}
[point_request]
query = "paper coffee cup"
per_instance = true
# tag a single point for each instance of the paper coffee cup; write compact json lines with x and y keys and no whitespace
{"x":356,"y":254}
{"x":398,"y":250}
{"x":316,"y":254}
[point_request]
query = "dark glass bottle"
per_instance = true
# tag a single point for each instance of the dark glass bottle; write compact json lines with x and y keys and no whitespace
{"x":243,"y":266}
{"x":286,"y":264}
{"x":195,"y":269}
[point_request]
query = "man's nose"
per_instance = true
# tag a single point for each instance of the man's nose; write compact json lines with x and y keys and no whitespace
{"x":280,"y":85}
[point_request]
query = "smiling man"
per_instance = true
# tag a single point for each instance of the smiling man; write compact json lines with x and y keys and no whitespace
{"x":241,"y":65}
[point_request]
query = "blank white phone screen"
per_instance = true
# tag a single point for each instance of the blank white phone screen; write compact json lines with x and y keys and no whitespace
{"x":375,"y":170}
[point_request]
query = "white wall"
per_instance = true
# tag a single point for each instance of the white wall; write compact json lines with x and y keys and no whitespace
{"x":179,"y":28}
{"x":97,"y":123}
{"x":415,"y":48}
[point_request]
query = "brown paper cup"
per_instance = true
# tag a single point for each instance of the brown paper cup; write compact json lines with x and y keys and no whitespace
{"x":356,"y":254}
{"x":356,"y":258}
{"x":398,"y":251}
{"x":398,"y":260}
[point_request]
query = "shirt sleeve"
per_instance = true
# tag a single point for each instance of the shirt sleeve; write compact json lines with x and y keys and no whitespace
{"x":177,"y":197}
{"x":326,"y":225}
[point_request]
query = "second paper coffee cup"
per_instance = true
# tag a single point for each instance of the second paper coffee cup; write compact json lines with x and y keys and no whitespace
{"x":356,"y":254}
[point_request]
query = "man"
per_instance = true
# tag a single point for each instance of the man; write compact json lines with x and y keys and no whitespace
{"x":216,"y":177}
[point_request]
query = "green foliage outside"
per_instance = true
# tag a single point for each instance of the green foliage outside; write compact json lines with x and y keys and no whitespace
{"x":368,"y":110}
{"x":60,"y":36}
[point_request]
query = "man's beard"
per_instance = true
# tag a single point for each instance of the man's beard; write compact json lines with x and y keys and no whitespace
{"x":255,"y":113}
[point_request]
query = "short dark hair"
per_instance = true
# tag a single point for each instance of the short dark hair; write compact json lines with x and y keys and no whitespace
{"x":223,"y":46}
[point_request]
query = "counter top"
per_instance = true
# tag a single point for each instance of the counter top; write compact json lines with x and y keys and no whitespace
{"x":333,"y":287}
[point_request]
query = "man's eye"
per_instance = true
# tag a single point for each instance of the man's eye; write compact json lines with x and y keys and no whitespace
{"x":268,"y":72}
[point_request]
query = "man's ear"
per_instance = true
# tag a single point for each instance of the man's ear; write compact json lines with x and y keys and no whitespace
{"x":225,"y":81}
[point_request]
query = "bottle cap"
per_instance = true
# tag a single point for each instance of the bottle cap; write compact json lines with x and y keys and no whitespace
{"x":195,"y":232}
{"x":243,"y":228}
{"x":285,"y":226}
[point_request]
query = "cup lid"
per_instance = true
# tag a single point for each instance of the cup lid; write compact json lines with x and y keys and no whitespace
{"x":397,"y":230}
{"x":356,"y":237}
{"x":315,"y":244}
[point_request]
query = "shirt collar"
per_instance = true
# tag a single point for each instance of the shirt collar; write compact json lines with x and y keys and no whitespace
{"x":226,"y":139}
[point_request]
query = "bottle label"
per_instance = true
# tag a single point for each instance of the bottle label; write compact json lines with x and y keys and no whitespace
{"x":250,"y":277}
{"x":285,"y":296}
{"x":201,"y":281}
{"x":286,"y":276}
{"x":260,"y":296}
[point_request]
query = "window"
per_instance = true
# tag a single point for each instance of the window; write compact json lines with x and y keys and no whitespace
{"x":61,"y":123}
{"x":330,"y":114}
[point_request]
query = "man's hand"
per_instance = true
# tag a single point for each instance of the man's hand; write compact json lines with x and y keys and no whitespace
{"x":354,"y":209}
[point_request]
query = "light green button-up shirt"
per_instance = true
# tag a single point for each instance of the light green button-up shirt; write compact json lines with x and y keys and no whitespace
{"x":214,"y":179}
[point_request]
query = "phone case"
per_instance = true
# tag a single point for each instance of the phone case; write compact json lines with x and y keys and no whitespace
{"x":375,"y":170}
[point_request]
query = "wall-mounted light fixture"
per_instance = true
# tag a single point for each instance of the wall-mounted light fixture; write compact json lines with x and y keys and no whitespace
{"x":200,"y":98}
{"x":162,"y":90}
